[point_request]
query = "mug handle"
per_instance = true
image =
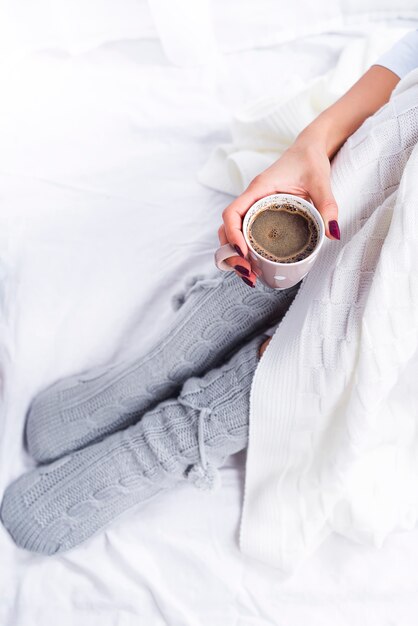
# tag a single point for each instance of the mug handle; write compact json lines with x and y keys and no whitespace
{"x":222,"y":253}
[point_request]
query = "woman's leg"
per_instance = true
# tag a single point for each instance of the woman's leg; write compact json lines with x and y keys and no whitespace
{"x":55,"y":507}
{"x":214,"y":315}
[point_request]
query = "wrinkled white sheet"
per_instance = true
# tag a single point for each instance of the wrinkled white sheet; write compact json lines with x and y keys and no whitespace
{"x":101,"y":222}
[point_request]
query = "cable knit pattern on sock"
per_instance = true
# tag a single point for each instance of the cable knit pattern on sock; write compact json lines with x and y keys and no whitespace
{"x":214,"y":315}
{"x":55,"y":507}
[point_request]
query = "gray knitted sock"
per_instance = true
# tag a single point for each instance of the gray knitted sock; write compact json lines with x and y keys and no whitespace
{"x":55,"y":507}
{"x":214,"y":315}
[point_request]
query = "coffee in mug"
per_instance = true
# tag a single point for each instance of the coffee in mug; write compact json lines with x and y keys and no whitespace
{"x":284,"y":234}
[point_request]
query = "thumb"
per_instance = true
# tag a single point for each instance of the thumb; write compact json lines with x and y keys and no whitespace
{"x":324,"y":201}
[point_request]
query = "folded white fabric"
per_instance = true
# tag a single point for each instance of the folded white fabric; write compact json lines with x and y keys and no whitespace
{"x":333,"y":441}
{"x":264,"y":129}
{"x":74,"y":27}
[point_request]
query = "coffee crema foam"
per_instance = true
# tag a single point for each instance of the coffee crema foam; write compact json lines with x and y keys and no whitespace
{"x":283,"y":233}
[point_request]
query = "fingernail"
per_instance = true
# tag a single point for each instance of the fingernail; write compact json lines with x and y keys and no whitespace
{"x":334,"y":229}
{"x":246,"y":280}
{"x":242,"y":269}
{"x":238,"y":249}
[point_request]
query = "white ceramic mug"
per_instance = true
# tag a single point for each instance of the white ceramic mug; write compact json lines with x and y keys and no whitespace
{"x":273,"y":273}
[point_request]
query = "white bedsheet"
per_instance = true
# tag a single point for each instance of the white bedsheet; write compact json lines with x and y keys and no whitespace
{"x":98,"y":162}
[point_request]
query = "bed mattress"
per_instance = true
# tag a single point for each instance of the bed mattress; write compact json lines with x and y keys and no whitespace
{"x":102,"y":221}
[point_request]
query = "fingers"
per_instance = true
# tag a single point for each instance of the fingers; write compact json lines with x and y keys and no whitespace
{"x":324,"y":201}
{"x":233,"y":215}
{"x":241,"y":266}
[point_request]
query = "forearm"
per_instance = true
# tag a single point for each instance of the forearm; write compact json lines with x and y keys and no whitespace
{"x":334,"y":125}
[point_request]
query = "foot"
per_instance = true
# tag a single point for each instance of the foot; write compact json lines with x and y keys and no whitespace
{"x":55,"y":507}
{"x":214,"y":316}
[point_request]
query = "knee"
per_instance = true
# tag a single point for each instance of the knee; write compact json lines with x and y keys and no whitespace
{"x":263,"y":347}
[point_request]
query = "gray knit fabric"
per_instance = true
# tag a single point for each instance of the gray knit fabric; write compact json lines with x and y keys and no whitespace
{"x":57,"y":506}
{"x":213,"y":315}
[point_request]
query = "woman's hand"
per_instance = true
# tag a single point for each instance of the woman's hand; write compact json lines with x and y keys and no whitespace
{"x":303,"y":170}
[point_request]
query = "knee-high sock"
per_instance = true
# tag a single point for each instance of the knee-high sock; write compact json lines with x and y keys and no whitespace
{"x":214,"y":315}
{"x":57,"y":506}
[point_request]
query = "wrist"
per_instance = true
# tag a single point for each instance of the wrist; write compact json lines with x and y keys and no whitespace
{"x":323,"y":135}
{"x":334,"y":125}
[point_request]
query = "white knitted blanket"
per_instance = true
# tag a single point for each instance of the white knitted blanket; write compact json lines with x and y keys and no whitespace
{"x":263,"y":129}
{"x":333,"y":443}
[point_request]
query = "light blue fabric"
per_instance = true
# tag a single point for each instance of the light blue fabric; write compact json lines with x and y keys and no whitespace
{"x":402,"y":57}
{"x":214,"y":315}
{"x":56,"y":507}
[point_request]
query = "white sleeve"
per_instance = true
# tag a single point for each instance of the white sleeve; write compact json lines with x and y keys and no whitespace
{"x":402,"y":57}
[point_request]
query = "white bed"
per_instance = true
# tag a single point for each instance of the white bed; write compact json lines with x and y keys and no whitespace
{"x":102,"y":221}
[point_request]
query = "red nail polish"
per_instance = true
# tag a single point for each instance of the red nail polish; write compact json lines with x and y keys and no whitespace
{"x":334,"y":229}
{"x":242,"y":270}
{"x":238,"y":249}
{"x":246,"y":280}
